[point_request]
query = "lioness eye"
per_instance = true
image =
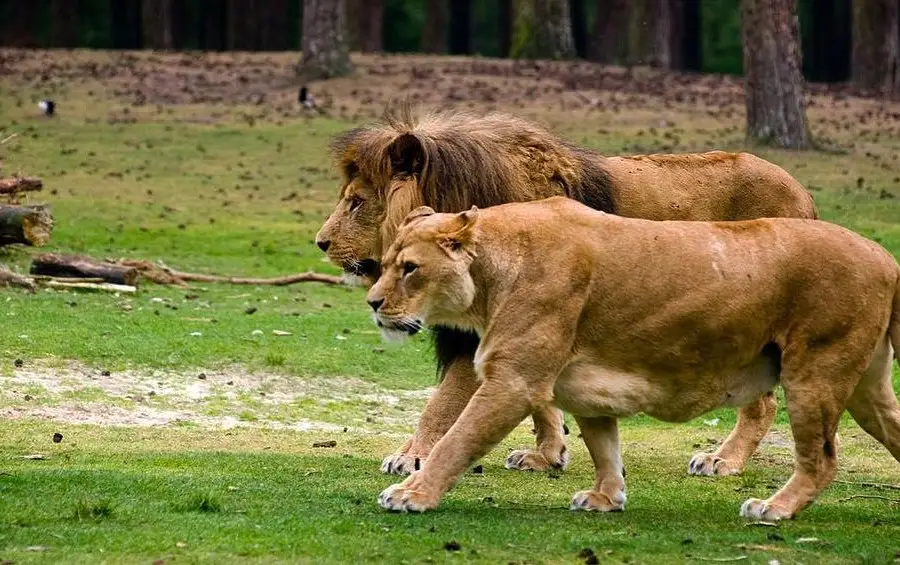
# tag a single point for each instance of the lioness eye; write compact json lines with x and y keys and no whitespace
{"x":355,"y":203}
{"x":409,"y":267}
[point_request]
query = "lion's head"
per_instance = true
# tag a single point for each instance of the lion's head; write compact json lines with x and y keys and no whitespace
{"x":447,"y":160}
{"x":425,"y":276}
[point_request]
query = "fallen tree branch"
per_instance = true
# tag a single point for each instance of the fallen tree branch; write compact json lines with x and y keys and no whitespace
{"x":14,"y":185}
{"x":28,"y":225}
{"x":870,"y":496}
{"x":101,"y":287}
{"x":870,"y":485}
{"x":77,"y":266}
{"x":9,"y":278}
{"x":162,"y":274}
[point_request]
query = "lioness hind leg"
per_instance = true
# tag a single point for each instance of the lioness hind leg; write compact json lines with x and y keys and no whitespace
{"x":601,"y":435}
{"x":754,"y":421}
{"x":551,"y":450}
{"x":814,"y":406}
{"x":874,"y":405}
{"x":441,"y":411}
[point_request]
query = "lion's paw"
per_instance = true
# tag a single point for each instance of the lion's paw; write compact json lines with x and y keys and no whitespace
{"x":400,"y":464}
{"x":757,"y":509}
{"x":531,"y":460}
{"x":398,"y":498}
{"x":595,"y":501}
{"x":711,"y":465}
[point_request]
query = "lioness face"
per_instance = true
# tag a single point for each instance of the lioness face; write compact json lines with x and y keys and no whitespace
{"x":351,"y":234}
{"x":425,"y":275}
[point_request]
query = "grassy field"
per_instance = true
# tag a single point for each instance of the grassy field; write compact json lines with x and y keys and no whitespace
{"x":188,"y":426}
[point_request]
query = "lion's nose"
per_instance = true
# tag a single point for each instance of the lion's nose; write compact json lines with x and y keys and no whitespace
{"x":376,"y":304}
{"x":323,"y":244}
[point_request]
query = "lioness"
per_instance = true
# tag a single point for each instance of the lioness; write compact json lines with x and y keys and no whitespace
{"x":607,"y":316}
{"x":452,"y":160}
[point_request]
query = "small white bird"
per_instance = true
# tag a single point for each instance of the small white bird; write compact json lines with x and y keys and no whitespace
{"x":47,"y":106}
{"x":308,"y":101}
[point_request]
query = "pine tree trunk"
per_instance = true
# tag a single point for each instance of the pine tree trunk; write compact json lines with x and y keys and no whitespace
{"x":685,"y":35}
{"x":827,"y":55}
{"x":125,"y":23}
{"x":64,"y":23}
{"x":156,"y":24}
{"x":542,"y":30}
{"x":650,"y":38}
{"x":579,"y":27}
{"x":875,"y":45}
{"x":324,"y":40}
{"x":610,"y":37}
{"x":366,"y":21}
{"x":213,"y":35}
{"x":505,"y":15}
{"x":434,"y":33}
{"x":774,"y":84}
{"x":244,"y":24}
{"x":461,"y":27}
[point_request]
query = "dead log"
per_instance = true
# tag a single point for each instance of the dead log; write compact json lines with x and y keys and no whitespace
{"x":162,"y":274}
{"x":15,"y":185}
{"x":28,"y":225}
{"x":9,"y":278}
{"x":76,"y":266}
{"x":100,"y":287}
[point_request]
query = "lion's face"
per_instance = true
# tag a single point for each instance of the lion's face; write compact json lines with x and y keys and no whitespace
{"x":350,"y":235}
{"x":425,"y":277}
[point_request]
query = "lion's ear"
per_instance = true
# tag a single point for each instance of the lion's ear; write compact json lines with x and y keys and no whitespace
{"x":462,"y":234}
{"x":407,"y":156}
{"x":419,"y":212}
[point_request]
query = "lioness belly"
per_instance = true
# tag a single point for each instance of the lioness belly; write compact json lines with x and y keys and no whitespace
{"x":589,"y":390}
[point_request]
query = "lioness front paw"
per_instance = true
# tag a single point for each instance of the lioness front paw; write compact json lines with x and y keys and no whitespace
{"x":710,"y":464}
{"x":596,"y":501}
{"x":757,"y":509}
{"x":400,"y":464}
{"x":531,"y":460}
{"x":398,"y":498}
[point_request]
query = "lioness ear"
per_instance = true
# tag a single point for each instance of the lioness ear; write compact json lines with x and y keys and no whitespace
{"x":419,"y":212}
{"x":407,"y":156}
{"x":462,"y":234}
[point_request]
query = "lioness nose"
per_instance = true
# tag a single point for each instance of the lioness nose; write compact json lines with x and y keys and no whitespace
{"x":323,"y":244}
{"x":376,"y":304}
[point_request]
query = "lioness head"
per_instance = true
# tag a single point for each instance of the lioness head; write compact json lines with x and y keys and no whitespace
{"x":425,"y":275}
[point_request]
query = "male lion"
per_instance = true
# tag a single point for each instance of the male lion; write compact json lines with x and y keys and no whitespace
{"x":607,"y":316}
{"x":452,"y":161}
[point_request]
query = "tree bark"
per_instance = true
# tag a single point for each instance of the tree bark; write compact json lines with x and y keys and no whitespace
{"x":505,"y":15}
{"x":685,"y":36}
{"x":15,"y":185}
{"x":64,"y":23}
{"x":325,"y":50}
{"x":434,"y":33}
{"x":579,"y":27}
{"x":827,"y":53}
{"x":78,"y":267}
{"x":875,"y":45}
{"x":244,"y":25}
{"x":650,"y":37}
{"x":366,"y":20}
{"x":461,"y":27}
{"x":26,"y":225}
{"x":213,"y":30}
{"x":156,"y":24}
{"x":610,"y":36}
{"x":773,"y":82}
{"x":125,"y":21}
{"x":543,"y":30}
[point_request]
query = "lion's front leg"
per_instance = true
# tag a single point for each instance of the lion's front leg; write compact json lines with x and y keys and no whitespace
{"x":494,"y":411}
{"x":441,"y":411}
{"x":551,"y":452}
{"x":754,"y":421}
{"x":601,"y":435}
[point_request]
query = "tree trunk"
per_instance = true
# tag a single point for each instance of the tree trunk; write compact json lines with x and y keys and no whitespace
{"x":461,"y":27}
{"x":650,"y":38}
{"x":64,"y":23}
{"x":827,"y":53}
{"x":125,"y":20}
{"x":244,"y":25}
{"x":875,"y":45}
{"x":774,"y":85}
{"x":434,"y":34}
{"x":212,"y":32}
{"x":273,"y":31}
{"x":542,"y":30}
{"x":686,"y":39}
{"x":156,"y":24}
{"x":15,"y":185}
{"x":579,"y":27}
{"x":78,"y":267}
{"x":324,"y":41}
{"x":366,"y":20}
{"x":505,"y":15}
{"x":610,"y":32}
{"x":19,"y":27}
{"x":27,"y":225}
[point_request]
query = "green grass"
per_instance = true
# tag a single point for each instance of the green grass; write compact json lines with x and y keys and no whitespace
{"x":228,"y":197}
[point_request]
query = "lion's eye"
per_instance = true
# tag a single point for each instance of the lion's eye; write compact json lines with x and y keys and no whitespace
{"x":355,"y":203}
{"x":409,"y":268}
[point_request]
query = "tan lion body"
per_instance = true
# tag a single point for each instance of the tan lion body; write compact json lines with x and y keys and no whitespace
{"x":452,"y":161}
{"x":607,"y":317}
